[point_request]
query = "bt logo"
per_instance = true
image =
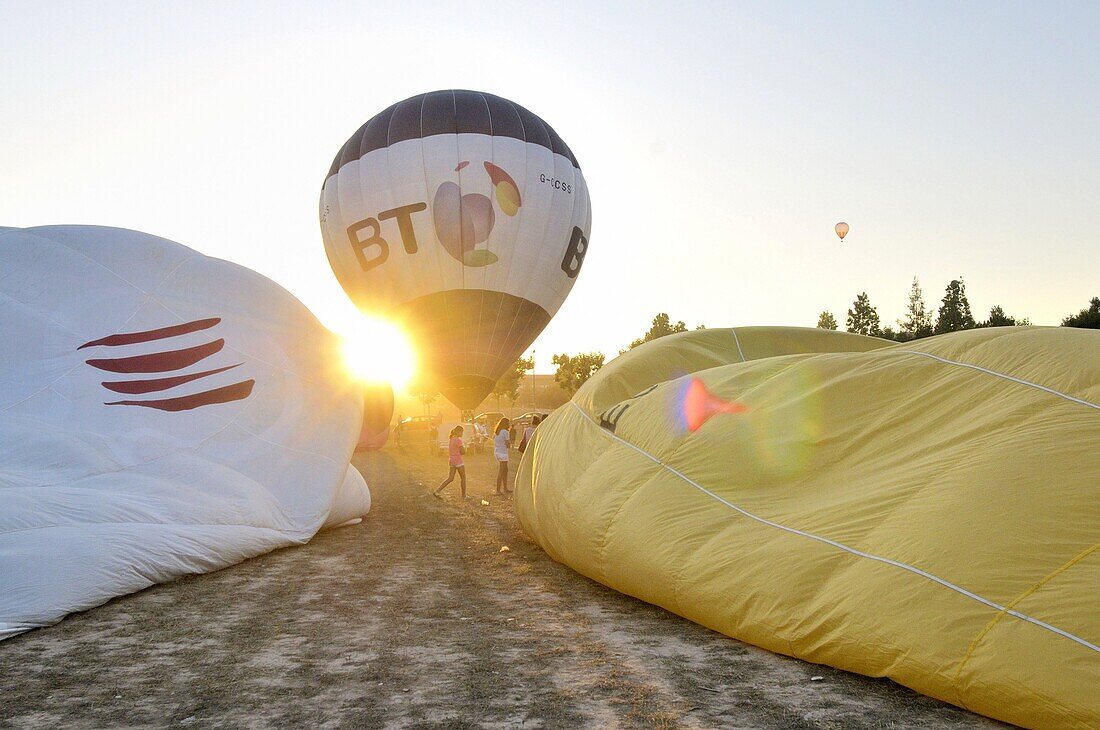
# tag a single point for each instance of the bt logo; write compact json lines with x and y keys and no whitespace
{"x":461,"y":222}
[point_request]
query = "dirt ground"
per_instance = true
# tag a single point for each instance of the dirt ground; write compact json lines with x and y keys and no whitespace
{"x":415,"y":618}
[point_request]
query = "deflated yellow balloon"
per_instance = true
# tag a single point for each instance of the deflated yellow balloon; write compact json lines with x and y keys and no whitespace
{"x":765,"y":481}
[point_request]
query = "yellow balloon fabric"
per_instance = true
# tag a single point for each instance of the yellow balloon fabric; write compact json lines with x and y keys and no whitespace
{"x":926,"y":511}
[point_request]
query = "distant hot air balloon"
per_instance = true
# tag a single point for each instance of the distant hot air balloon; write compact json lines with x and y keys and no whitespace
{"x":841,"y":229}
{"x":466,"y":218}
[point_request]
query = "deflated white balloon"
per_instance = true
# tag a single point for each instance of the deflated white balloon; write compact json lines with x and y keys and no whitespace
{"x":161,"y":413}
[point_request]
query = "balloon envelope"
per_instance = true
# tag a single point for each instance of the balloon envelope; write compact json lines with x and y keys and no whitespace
{"x":377,"y":412}
{"x":466,"y":218}
{"x":925,"y":511}
{"x":841,"y":230}
{"x":161,"y":413}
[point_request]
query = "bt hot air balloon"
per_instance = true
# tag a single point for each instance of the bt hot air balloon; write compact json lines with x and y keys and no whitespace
{"x":464,"y":217}
{"x":841,"y":229}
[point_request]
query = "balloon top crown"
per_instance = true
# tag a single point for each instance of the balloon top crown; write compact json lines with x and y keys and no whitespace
{"x":455,"y":111}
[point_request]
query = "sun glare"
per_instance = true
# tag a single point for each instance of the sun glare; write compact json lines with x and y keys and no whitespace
{"x":377,"y":351}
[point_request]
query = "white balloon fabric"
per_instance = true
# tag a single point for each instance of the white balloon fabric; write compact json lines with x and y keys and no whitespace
{"x":161,"y":413}
{"x":465,"y":217}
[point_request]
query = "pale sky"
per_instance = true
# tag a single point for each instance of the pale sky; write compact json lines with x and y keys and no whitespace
{"x":720,"y":141}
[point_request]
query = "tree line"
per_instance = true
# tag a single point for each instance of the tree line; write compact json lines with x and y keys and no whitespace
{"x":574,"y":370}
{"x":953,"y":315}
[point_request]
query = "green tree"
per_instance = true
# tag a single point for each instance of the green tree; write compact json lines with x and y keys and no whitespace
{"x":954,"y":314}
{"x":574,"y":371}
{"x":998,"y":318}
{"x":1088,"y":318}
{"x":826,"y":321}
{"x":918,"y":320}
{"x":508,"y":385}
{"x":888,"y":333}
{"x":662,"y":326}
{"x":862,"y":317}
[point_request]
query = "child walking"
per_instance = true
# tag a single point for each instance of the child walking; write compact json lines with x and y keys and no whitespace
{"x":501,"y":441}
{"x":455,"y":449}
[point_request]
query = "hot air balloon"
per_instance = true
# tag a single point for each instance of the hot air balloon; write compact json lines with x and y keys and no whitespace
{"x":826,"y":467}
{"x":841,"y":229}
{"x":465,"y":218}
{"x":161,"y":413}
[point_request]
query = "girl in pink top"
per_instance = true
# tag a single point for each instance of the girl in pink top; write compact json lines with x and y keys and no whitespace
{"x":455,"y":449}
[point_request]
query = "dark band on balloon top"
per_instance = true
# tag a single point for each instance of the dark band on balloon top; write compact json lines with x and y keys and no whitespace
{"x":450,"y":112}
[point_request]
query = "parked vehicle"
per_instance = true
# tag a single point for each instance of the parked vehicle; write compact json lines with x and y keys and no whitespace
{"x":416,"y":429}
{"x":522,"y":422}
{"x":488,"y":419}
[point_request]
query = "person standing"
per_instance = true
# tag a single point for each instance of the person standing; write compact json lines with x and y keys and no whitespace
{"x":455,"y":450}
{"x":501,"y":441}
{"x":529,"y":433}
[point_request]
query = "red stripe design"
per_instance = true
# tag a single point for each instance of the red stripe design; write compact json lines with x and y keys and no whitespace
{"x":237,"y":391}
{"x":136,"y":387}
{"x":159,"y":362}
{"x":130,"y":338}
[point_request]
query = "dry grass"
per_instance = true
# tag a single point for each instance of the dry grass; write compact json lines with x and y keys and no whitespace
{"x":415,"y":619}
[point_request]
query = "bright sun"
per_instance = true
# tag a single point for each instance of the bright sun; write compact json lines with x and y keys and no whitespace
{"x":377,"y":351}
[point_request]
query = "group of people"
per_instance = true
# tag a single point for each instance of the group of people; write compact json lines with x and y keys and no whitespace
{"x":502,"y":442}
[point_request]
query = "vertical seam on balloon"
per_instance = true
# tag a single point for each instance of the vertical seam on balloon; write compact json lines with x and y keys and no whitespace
{"x":553,"y":191}
{"x":553,"y":196}
{"x":572,"y":211}
{"x":1012,"y":378}
{"x":733,"y":331}
{"x":438,"y":262}
{"x":462,"y":264}
{"x":858,"y":553}
{"x":427,"y":194}
{"x":481,"y":313}
{"x":521,"y":286}
{"x":532,"y":311}
{"x":447,"y":291}
{"x":519,"y":230}
{"x":1008,"y":609}
{"x":481,"y":360}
